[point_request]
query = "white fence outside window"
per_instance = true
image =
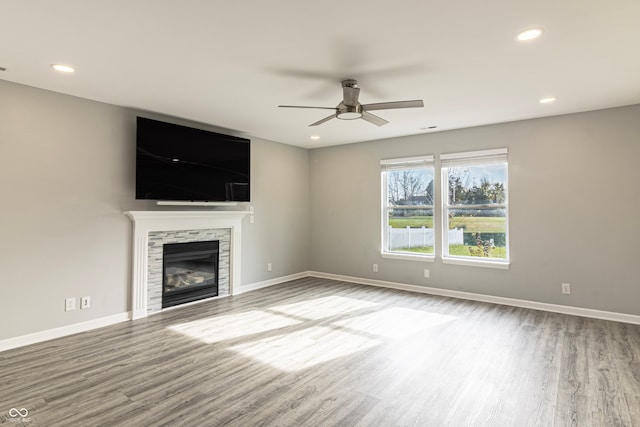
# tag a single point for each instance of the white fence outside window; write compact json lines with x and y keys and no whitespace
{"x":408,"y":237}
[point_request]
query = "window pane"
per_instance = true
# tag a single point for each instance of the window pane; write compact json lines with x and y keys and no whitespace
{"x":477,"y":185}
{"x":410,"y":230}
{"x":410,"y":187}
{"x":478,"y":232}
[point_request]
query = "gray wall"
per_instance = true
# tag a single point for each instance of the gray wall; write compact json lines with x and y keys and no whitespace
{"x":573,"y":210}
{"x":280,"y":197}
{"x":68,"y":174}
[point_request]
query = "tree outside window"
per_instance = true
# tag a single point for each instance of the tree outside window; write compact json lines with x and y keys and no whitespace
{"x":476,"y":210}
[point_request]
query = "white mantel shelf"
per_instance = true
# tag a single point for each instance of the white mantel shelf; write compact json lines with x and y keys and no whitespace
{"x":184,"y":215}
{"x":149,"y":221}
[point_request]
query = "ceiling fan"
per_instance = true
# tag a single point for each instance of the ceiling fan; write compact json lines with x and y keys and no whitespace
{"x":350,"y":109}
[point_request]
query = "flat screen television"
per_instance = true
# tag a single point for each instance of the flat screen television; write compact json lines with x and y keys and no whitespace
{"x":180,"y":163}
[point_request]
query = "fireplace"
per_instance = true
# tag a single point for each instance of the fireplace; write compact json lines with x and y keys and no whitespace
{"x":189,"y":271}
{"x":153,"y":229}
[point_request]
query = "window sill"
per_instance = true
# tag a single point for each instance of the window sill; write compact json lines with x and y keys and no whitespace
{"x":408,"y":257}
{"x":503,"y":265}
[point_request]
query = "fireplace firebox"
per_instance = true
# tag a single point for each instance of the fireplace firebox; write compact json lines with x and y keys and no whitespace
{"x":190,"y":272}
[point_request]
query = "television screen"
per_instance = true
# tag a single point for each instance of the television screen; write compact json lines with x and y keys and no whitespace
{"x":180,"y":163}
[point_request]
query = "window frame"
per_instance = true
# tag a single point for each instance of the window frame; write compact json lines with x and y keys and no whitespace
{"x":405,"y":163}
{"x":473,"y":158}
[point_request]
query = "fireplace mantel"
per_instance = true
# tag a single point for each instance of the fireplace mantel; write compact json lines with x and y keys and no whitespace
{"x":150,"y":221}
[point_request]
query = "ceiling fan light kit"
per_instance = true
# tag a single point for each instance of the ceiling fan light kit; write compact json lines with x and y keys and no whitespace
{"x":351,"y":109}
{"x":346,"y":112}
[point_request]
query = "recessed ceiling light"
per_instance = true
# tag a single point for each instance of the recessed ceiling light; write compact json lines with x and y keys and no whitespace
{"x":63,"y":68}
{"x":548,"y":100}
{"x":531,"y":34}
{"x":315,"y":137}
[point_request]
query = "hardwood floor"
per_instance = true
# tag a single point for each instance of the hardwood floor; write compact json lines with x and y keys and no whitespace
{"x":316,"y":352}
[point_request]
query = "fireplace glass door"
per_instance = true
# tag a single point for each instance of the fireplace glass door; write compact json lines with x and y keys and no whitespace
{"x":190,"y":272}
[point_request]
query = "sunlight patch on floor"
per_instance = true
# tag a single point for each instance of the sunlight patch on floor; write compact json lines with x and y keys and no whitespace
{"x":304,"y":349}
{"x":321,"y":308}
{"x":221,"y":328}
{"x":349,"y":328}
{"x":394,"y":322}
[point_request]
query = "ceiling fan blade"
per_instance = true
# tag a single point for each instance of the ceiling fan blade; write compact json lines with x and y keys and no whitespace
{"x":350,"y":95}
{"x":372,"y":118}
{"x":417,"y":103}
{"x":306,"y":106}
{"x":326,"y":119}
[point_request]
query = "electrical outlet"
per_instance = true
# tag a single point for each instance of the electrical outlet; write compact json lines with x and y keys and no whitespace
{"x":251,"y":220}
{"x":426,"y":273}
{"x":69,"y":304}
{"x":375,"y":268}
{"x":269,"y":267}
{"x":85,"y":302}
{"x":566,"y":288}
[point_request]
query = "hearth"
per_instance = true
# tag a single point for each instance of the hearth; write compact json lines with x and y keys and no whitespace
{"x":190,"y":272}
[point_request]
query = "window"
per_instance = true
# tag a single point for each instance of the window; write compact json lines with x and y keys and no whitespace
{"x":475,"y":209}
{"x":407,"y":208}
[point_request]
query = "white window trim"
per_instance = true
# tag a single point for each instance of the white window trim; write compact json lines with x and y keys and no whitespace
{"x":406,"y":162}
{"x":407,"y":256}
{"x":490,"y":263}
{"x":467,"y":159}
{"x":402,"y":163}
{"x":470,"y":157}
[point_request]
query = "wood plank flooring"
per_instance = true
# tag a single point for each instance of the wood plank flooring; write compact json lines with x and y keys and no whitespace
{"x":316,"y":352}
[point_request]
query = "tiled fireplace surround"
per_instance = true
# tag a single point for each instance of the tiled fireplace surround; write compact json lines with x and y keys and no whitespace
{"x":154,"y":259}
{"x":152,"y":229}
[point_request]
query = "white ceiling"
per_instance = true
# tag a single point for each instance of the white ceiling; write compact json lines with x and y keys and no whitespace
{"x":231,"y":63}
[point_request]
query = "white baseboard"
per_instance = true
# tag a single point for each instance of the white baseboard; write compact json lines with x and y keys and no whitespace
{"x":270,"y":282}
{"x":50,"y":334}
{"x":555,"y":308}
{"x":62,"y":331}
